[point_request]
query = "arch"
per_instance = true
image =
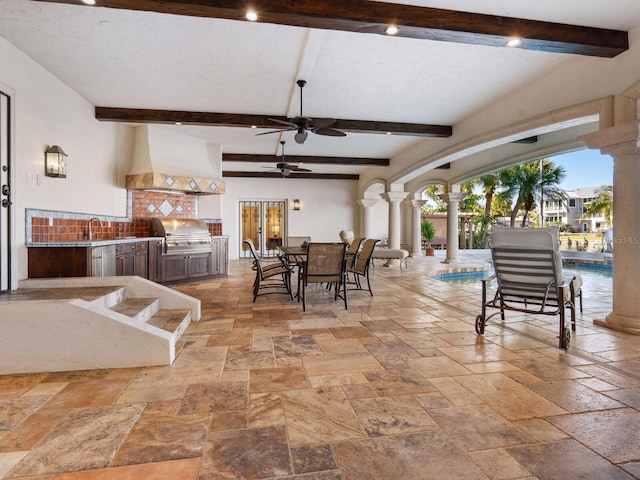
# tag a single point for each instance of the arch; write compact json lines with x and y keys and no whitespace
{"x":592,"y":112}
{"x":373,"y":188}
{"x":416,"y":193}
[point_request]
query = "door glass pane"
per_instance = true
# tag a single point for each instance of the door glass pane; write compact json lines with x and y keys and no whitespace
{"x":249,"y":226}
{"x":264,"y":223}
{"x":274,"y":226}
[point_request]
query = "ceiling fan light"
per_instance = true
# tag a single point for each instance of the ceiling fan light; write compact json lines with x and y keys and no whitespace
{"x":300,"y":137}
{"x":251,"y":16}
{"x":285,"y":172}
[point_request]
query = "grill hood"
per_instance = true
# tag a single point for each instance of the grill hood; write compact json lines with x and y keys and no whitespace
{"x":167,"y":160}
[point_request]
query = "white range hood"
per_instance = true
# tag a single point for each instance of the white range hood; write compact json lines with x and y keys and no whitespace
{"x":164,"y":159}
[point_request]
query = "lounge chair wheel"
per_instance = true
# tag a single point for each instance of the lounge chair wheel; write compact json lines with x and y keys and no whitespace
{"x":566,"y":338}
{"x":479,"y":325}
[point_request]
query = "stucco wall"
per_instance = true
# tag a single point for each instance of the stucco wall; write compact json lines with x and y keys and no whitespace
{"x":326,"y":206}
{"x":47,"y":112}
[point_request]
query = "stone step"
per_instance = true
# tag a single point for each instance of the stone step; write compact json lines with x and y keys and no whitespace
{"x":102,"y":296}
{"x":173,"y":321}
{"x":141,"y":309}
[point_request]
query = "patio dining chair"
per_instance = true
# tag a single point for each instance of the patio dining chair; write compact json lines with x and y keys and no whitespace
{"x":325,"y":263}
{"x":272,"y":277}
{"x":528,"y":272}
{"x":353,"y":250}
{"x":360,"y":267}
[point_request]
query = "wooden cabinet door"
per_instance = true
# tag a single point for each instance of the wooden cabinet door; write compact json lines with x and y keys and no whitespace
{"x":53,"y":262}
{"x":200,"y":265}
{"x":219,"y":250}
{"x":174,"y":268}
{"x":140,"y":260}
{"x":125,"y":259}
{"x":155,"y":261}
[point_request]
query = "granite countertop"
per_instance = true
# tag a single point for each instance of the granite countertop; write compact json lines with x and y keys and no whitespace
{"x":100,"y":242}
{"x":93,"y":243}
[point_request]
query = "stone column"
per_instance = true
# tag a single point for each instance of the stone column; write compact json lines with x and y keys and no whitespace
{"x":622,"y":142}
{"x":394,"y":198}
{"x":367,"y":205}
{"x":416,"y":227}
{"x":452,"y":199}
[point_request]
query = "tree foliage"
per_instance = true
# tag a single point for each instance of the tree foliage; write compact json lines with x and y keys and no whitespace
{"x":525,"y":183}
{"x":508,"y":193}
{"x":602,"y":204}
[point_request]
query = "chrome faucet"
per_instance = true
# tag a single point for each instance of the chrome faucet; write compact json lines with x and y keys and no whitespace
{"x":90,"y":231}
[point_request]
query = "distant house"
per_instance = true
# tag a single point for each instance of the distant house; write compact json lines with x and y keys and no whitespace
{"x":570,"y":211}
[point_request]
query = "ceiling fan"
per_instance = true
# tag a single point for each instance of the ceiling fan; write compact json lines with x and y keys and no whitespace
{"x":303,"y":125}
{"x":285,"y":168}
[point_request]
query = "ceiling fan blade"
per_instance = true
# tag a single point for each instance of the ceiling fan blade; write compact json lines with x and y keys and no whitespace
{"x":329,"y":132}
{"x":297,"y":168}
{"x":276,"y":131}
{"x":321,"y":122}
{"x":283,"y":122}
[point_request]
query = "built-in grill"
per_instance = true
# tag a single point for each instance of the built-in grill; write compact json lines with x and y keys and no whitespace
{"x":183,"y":235}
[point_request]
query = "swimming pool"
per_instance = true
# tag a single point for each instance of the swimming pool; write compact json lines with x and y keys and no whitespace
{"x":597,"y":283}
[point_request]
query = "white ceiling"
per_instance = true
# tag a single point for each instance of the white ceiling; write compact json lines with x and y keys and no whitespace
{"x":120,"y":58}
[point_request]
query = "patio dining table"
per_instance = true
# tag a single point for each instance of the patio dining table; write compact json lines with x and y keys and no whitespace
{"x":294,"y":255}
{"x":297,"y":254}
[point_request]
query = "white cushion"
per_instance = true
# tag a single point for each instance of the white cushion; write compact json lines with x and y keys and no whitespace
{"x":530,"y":238}
{"x":347,"y":236}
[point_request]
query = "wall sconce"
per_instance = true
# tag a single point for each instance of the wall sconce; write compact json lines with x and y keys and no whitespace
{"x":55,"y":162}
{"x":296,"y":204}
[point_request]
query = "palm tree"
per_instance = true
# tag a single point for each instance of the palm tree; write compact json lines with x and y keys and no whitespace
{"x":602,"y":204}
{"x":519,"y":182}
{"x":526,"y":181}
{"x":490,"y":184}
{"x":432,"y":193}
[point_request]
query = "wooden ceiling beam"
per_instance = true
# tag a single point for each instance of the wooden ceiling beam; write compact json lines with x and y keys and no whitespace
{"x":364,"y":16}
{"x":316,"y":176}
{"x":139,"y":115}
{"x":352,"y":161}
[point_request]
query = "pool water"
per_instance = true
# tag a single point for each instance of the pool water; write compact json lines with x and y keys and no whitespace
{"x":597,"y":283}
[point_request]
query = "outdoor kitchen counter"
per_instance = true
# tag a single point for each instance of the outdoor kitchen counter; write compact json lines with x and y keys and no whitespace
{"x":93,"y":243}
{"x":142,"y":256}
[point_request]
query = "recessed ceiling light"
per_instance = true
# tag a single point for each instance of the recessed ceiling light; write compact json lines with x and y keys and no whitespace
{"x":178,"y":123}
{"x":89,"y":2}
{"x":252,"y":16}
{"x":388,"y":133}
{"x":391,"y":30}
{"x":254,"y":126}
{"x":514,"y":42}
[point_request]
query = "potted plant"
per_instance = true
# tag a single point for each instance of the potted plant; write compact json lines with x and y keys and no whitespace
{"x":428,"y":233}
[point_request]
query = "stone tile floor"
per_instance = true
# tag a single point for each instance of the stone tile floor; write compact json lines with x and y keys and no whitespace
{"x":398,"y":387}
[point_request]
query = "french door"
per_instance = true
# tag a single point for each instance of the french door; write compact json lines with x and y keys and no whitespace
{"x":265,"y":224}
{"x":5,"y":193}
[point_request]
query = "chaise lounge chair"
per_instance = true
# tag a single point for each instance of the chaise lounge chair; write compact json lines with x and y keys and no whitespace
{"x":528,"y":271}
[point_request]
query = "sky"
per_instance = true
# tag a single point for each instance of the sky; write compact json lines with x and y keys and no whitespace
{"x":585,"y":168}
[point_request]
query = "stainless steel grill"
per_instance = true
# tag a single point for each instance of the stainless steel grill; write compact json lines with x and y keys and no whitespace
{"x":183,"y":236}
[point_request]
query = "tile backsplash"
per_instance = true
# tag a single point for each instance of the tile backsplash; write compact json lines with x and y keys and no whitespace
{"x":142,"y":206}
